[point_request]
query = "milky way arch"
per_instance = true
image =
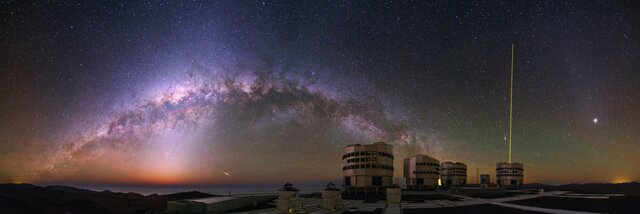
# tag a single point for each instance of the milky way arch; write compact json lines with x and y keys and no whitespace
{"x":197,"y":105}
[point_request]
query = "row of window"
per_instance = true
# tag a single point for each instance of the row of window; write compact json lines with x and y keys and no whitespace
{"x":355,"y":160}
{"x":454,"y":174}
{"x":508,"y":172}
{"x":498,"y":169}
{"x":453,"y":168}
{"x":426,"y":172}
{"x":453,"y":171}
{"x":427,"y":164}
{"x":514,"y":175}
{"x":513,"y":182}
{"x":364,"y":153}
{"x":367,"y":166}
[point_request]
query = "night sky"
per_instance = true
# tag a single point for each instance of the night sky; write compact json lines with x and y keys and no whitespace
{"x":254,"y":92}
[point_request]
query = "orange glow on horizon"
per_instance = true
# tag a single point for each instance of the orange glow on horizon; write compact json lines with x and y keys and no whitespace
{"x":618,"y":180}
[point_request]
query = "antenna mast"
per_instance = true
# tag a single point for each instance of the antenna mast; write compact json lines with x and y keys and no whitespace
{"x":511,"y":99}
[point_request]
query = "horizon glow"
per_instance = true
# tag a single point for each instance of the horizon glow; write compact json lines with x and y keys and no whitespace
{"x":246,"y":93}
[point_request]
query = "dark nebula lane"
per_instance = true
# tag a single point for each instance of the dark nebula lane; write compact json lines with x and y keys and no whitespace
{"x":258,"y":92}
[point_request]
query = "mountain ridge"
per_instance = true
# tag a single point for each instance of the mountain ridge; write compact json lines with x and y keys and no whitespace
{"x":29,"y":198}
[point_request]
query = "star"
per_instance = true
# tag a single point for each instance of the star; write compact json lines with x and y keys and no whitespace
{"x":269,"y":95}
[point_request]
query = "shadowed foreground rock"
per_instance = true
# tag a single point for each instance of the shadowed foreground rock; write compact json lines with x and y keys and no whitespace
{"x":28,"y":198}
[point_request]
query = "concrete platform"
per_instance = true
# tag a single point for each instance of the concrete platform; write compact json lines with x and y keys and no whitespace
{"x":216,"y":204}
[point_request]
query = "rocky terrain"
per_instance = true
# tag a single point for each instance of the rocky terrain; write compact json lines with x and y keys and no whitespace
{"x":28,"y":198}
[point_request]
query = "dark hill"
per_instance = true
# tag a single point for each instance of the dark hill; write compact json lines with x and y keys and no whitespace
{"x":28,"y":198}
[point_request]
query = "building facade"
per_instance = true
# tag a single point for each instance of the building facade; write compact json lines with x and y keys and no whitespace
{"x":421,"y":172}
{"x":510,"y":175}
{"x":453,"y":174}
{"x":367,"y":168}
{"x":485,"y":180}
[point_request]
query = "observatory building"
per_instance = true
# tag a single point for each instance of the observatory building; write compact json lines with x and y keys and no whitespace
{"x":421,"y":172}
{"x":509,"y":175}
{"x":367,"y":168}
{"x":485,"y":180}
{"x":453,"y":174}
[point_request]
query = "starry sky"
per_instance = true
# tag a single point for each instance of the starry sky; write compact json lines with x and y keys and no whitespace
{"x":257,"y":92}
